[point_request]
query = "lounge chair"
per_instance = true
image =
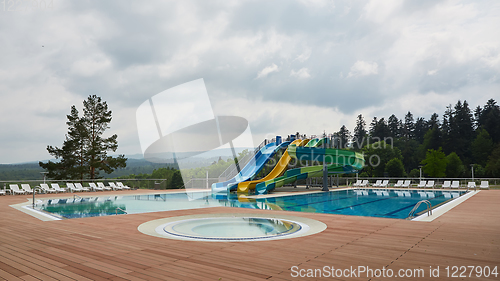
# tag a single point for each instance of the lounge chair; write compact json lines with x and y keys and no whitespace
{"x":357,"y":183}
{"x":121,"y":185}
{"x":14,"y":189}
{"x":446,"y":184}
{"x":455,"y":184}
{"x":46,"y":189}
{"x":377,"y":183}
{"x":430,"y":184}
{"x":399,"y":183}
{"x":2,"y":192}
{"x":72,"y":188}
{"x":471,"y":184}
{"x":364,"y":183}
{"x":101,"y":185}
{"x":95,"y":187}
{"x":385,"y":183}
{"x":421,"y":184}
{"x":114,"y":186}
{"x":26,"y":187}
{"x":407,"y":184}
{"x":57,"y":187}
{"x":80,"y":186}
{"x":484,"y":185}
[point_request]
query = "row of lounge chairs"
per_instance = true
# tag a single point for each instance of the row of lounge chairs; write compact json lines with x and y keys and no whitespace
{"x":55,"y":188}
{"x":422,"y":184}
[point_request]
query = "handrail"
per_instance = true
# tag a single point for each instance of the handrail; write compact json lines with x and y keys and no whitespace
{"x":118,"y":208}
{"x":429,"y":208}
{"x":232,"y":170}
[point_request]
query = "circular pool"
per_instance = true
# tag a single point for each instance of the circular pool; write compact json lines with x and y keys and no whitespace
{"x":231,"y":227}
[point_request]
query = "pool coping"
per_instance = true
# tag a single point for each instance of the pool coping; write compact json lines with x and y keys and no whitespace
{"x":441,"y":210}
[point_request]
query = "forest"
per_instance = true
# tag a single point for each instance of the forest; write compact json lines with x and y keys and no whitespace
{"x":452,"y":145}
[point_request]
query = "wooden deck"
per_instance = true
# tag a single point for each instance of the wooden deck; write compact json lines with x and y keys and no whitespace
{"x":111,"y":248}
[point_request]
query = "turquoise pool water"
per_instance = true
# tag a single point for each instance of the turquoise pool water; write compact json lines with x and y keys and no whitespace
{"x":387,"y":203}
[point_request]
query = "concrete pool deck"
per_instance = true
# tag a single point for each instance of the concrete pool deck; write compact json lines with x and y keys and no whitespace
{"x":111,"y":248}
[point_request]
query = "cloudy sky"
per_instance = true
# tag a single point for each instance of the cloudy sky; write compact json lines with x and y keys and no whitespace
{"x":285,"y":66}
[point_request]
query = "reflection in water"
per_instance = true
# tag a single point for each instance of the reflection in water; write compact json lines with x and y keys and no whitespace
{"x":83,"y":207}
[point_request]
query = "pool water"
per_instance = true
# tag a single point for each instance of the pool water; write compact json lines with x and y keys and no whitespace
{"x":387,"y":203}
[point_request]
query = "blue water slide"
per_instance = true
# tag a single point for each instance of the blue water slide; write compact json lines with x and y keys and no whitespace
{"x":252,"y":168}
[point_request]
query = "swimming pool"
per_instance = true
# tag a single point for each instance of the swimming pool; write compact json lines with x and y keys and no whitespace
{"x":386,"y":203}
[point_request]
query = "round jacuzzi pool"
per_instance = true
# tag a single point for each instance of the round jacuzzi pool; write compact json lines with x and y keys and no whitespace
{"x":231,"y":227}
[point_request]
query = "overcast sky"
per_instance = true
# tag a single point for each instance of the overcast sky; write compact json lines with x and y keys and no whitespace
{"x":285,"y":66}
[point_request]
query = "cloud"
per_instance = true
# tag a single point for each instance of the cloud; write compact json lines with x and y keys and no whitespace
{"x":363,"y":68}
{"x":302,"y":73}
{"x":267,"y":70}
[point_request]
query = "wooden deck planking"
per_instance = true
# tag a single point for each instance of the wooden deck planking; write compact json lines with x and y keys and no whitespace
{"x":111,"y":248}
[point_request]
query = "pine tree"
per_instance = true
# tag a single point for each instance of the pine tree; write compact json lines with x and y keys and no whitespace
{"x":420,"y":129}
{"x":84,"y":152}
{"x":394,"y":126}
{"x":408,"y":127}
{"x":344,"y":137}
{"x":359,"y":139}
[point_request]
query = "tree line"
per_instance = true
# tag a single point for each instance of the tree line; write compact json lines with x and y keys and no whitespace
{"x":449,"y":146}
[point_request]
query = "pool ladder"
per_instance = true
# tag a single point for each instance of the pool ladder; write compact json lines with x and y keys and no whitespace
{"x":116,"y":211}
{"x":429,"y":208}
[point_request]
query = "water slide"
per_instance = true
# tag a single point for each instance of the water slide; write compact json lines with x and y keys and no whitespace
{"x":338,"y":161}
{"x":252,"y":168}
{"x":277,"y":171}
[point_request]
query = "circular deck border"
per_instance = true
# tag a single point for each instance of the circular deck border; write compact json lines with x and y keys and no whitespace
{"x":156,"y":227}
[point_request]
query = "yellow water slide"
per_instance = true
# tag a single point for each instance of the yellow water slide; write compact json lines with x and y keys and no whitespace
{"x":277,"y":171}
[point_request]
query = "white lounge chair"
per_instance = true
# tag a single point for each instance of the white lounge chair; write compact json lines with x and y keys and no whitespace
{"x":121,"y":185}
{"x":95,"y":187}
{"x":46,"y":189}
{"x":455,"y":184}
{"x":385,"y":183}
{"x":101,"y":185}
{"x":430,"y":184}
{"x":446,"y":184}
{"x":471,"y":184}
{"x":399,"y":183}
{"x":14,"y":189}
{"x":421,"y":184}
{"x":114,"y":186}
{"x":2,"y":192}
{"x":406,"y":184}
{"x":356,"y":184}
{"x":364,"y":183}
{"x":72,"y":188}
{"x":57,"y":187}
{"x":26,"y":187}
{"x":377,"y":183}
{"x":484,"y":185}
{"x":80,"y":186}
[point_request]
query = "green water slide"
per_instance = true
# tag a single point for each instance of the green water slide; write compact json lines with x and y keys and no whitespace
{"x":338,"y":161}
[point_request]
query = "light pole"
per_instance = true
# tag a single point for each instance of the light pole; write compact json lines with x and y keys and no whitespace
{"x":472,"y":166}
{"x":420,"y":167}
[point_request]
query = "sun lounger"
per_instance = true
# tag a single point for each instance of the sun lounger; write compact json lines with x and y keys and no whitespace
{"x":95,"y":187}
{"x":72,"y":187}
{"x":57,"y":187}
{"x":407,"y":184}
{"x":14,"y":189}
{"x":101,"y":185}
{"x":121,"y":185}
{"x":46,"y":189}
{"x":421,"y":184}
{"x":2,"y":192}
{"x":484,"y":185}
{"x":455,"y":184}
{"x":365,"y":183}
{"x":430,"y":184}
{"x":26,"y":187}
{"x":357,"y":183}
{"x":114,"y":186}
{"x":80,"y":186}
{"x":446,"y":184}
{"x":471,"y":185}
{"x":377,"y":183}
{"x":399,"y":183}
{"x":385,"y":183}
